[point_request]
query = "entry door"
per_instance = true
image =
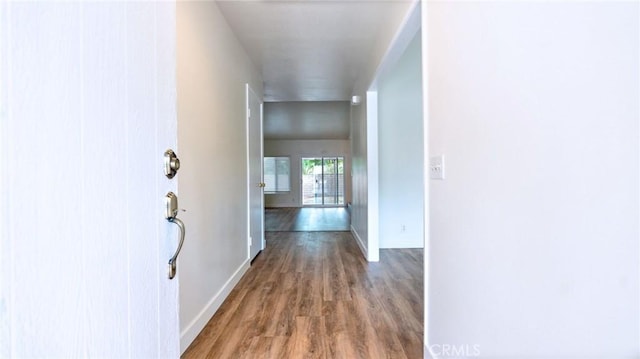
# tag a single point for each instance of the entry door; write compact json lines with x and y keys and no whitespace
{"x":256,"y":183}
{"x":87,"y":110}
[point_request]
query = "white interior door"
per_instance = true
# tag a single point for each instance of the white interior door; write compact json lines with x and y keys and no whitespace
{"x":88,"y":107}
{"x":256,"y":183}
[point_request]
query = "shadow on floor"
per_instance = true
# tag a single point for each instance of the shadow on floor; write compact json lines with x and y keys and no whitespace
{"x":306,"y":219}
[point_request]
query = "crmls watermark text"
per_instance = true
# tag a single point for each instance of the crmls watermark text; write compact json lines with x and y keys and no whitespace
{"x":454,"y":350}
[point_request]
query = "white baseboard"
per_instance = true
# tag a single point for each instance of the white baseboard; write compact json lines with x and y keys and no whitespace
{"x":363,"y":248}
{"x":403,"y":245}
{"x":189,"y":334}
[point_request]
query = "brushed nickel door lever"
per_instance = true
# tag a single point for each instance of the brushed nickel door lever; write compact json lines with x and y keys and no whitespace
{"x":172,"y":262}
{"x":171,"y":214}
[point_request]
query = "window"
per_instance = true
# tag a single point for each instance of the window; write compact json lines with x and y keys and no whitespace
{"x":276,"y":174}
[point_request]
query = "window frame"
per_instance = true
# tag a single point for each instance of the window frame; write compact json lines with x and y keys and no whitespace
{"x":276,"y":175}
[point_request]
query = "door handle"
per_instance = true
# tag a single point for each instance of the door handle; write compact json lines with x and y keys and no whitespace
{"x":171,"y":215}
{"x":172,"y":262}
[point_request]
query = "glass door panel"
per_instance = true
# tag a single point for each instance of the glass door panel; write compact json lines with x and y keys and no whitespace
{"x":329,"y":181}
{"x":323,"y":181}
{"x":340,"y":181}
{"x":311,"y":181}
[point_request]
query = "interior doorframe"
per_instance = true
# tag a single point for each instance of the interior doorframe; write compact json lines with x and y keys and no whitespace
{"x":373,"y":242}
{"x":248,"y":164}
{"x":263,"y":241}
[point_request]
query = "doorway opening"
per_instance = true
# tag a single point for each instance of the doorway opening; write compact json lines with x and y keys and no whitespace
{"x":322,"y":181}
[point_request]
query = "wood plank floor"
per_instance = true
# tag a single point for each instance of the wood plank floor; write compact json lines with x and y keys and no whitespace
{"x":312,"y":295}
{"x":307,"y":219}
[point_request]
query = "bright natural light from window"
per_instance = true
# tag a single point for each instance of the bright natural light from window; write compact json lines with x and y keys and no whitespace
{"x":323,"y":181}
{"x":277,"y":174}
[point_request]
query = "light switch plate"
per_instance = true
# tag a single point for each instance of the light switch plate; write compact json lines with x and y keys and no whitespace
{"x":436,"y":167}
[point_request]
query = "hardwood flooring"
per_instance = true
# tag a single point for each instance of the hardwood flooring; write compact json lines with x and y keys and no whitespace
{"x":312,"y":295}
{"x":307,"y":219}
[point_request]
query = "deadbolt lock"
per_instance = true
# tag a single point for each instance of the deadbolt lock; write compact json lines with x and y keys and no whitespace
{"x":171,"y":164}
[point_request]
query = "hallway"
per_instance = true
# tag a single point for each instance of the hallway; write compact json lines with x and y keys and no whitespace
{"x":516,"y":168}
{"x":311,"y":294}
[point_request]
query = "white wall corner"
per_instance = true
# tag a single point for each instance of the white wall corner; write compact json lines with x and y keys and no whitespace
{"x":373,"y":211}
{"x":369,"y":256}
{"x":194,"y":328}
{"x":373,"y":256}
{"x":361,"y":244}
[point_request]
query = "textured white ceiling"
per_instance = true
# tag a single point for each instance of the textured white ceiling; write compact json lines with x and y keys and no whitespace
{"x":306,"y":120}
{"x":309,"y":50}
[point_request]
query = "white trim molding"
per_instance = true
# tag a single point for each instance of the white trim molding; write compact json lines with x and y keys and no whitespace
{"x":189,"y":334}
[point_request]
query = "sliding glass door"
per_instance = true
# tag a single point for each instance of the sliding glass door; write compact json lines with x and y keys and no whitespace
{"x":322,"y":181}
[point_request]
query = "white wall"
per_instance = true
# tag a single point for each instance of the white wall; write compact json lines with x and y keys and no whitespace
{"x":87,"y":108}
{"x":534,"y":240}
{"x":308,"y":120}
{"x":359,"y":179}
{"x":400,"y":158}
{"x":360,"y":225}
{"x":212,"y":71}
{"x":295,"y":150}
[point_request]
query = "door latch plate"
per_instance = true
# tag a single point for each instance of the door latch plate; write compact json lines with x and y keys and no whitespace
{"x":171,"y":202}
